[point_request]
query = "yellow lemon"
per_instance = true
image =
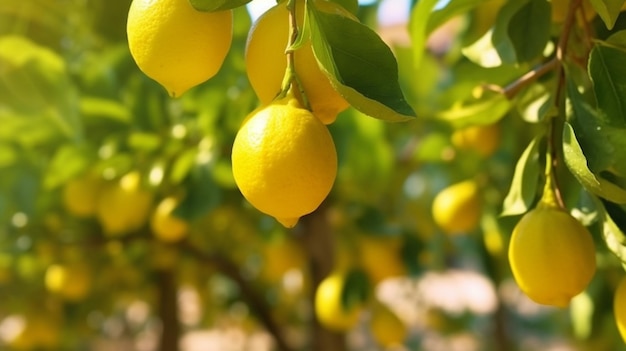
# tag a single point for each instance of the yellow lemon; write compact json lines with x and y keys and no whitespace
{"x":482,"y":139}
{"x":72,"y":282}
{"x":165,"y":225}
{"x":266,"y":61}
{"x":457,"y":208}
{"x":329,"y":307}
{"x":380,"y":257}
{"x":619,"y":307}
{"x":280,"y":255}
{"x":386,"y":326}
{"x":552,"y":256}
{"x":175,"y":44}
{"x":80,"y":195}
{"x":124,"y":206}
{"x":284,"y":161}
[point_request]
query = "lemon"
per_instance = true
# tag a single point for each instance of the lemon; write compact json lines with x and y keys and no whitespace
{"x":619,"y":307}
{"x":72,"y":282}
{"x":266,"y":61}
{"x":165,"y":225}
{"x":281,"y":255}
{"x":380,"y":258}
{"x":80,"y":195}
{"x":124,"y":206}
{"x":482,"y":139}
{"x":284,"y":161}
{"x":386,"y":326}
{"x":175,"y":44}
{"x":329,"y":308}
{"x":552,"y":255}
{"x":457,"y":208}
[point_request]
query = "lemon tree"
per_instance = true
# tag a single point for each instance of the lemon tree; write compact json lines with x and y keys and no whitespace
{"x":175,"y":169}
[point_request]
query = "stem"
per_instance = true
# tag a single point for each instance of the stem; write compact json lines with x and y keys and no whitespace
{"x":511,"y":90}
{"x":290,"y":79}
{"x":168,"y":311}
{"x":249,"y":294}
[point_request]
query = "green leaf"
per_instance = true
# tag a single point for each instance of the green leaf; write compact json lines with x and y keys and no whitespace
{"x":523,"y":188}
{"x":100,"y":108}
{"x":144,"y":141}
{"x":217,"y":5}
{"x":486,"y":110}
{"x":418,"y":28}
{"x":450,"y":10}
{"x":68,"y":161}
{"x":613,"y":229}
{"x":203,"y":193}
{"x":608,"y":74}
{"x":522,"y":30}
{"x":359,"y":64}
{"x":577,"y":164}
{"x":356,"y":289}
{"x":529,"y":29}
{"x":608,"y":10}
{"x":8,"y":155}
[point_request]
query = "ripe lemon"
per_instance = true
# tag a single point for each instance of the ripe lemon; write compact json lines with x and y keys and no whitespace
{"x":284,"y":161}
{"x":281,"y":255}
{"x":386,"y":326}
{"x":266,"y":61}
{"x":80,"y":195}
{"x":380,"y":258}
{"x":482,"y":139}
{"x":72,"y":282}
{"x":619,"y":307}
{"x":175,"y":44}
{"x":552,"y":256}
{"x":124,"y":206}
{"x":329,"y":308}
{"x":165,"y":225}
{"x":457,"y":208}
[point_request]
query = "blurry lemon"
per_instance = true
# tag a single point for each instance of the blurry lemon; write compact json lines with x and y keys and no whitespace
{"x":386,"y":326}
{"x":284,"y":161}
{"x":175,"y":44}
{"x":619,"y":308}
{"x":80,"y":195}
{"x":165,"y":225}
{"x":266,"y":61}
{"x":457,"y":208}
{"x":72,"y":282}
{"x":281,"y":255}
{"x":380,"y":257}
{"x":329,"y":307}
{"x":552,"y":256}
{"x":482,"y":139}
{"x":124,"y":206}
{"x":35,"y":331}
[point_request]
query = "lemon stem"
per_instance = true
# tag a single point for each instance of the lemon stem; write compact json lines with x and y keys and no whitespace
{"x":290,"y":79}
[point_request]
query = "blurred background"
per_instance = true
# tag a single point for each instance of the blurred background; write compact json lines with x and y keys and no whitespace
{"x":77,"y":117}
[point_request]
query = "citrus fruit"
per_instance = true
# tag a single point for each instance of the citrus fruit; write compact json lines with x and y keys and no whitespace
{"x":72,"y":282}
{"x":619,"y":307}
{"x":380,"y":258}
{"x":457,"y":208}
{"x":165,"y":224}
{"x":329,"y":306}
{"x":386,"y":326}
{"x":552,"y":255}
{"x":284,"y":161}
{"x":80,"y":195}
{"x":124,"y":206}
{"x":175,"y":44}
{"x":482,"y":139}
{"x":266,"y":61}
{"x":280,"y":255}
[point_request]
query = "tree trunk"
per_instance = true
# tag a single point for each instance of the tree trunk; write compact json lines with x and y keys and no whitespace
{"x":168,"y":311}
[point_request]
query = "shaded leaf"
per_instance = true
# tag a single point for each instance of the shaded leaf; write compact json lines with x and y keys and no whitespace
{"x":359,"y":64}
{"x":529,"y":29}
{"x":608,"y":10}
{"x":418,"y":28}
{"x":67,"y":162}
{"x":486,"y":110}
{"x":217,"y":5}
{"x":525,"y":181}
{"x":608,"y":74}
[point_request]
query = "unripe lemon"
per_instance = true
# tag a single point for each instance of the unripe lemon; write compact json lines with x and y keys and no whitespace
{"x":329,"y":308}
{"x":457,"y":208}
{"x":284,"y":161}
{"x":552,"y":256}
{"x":80,"y":195}
{"x":266,"y":61}
{"x":72,"y":282}
{"x":386,"y":326}
{"x":619,"y":308}
{"x":175,"y":44}
{"x":124,"y":206}
{"x":165,"y":225}
{"x":482,"y":139}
